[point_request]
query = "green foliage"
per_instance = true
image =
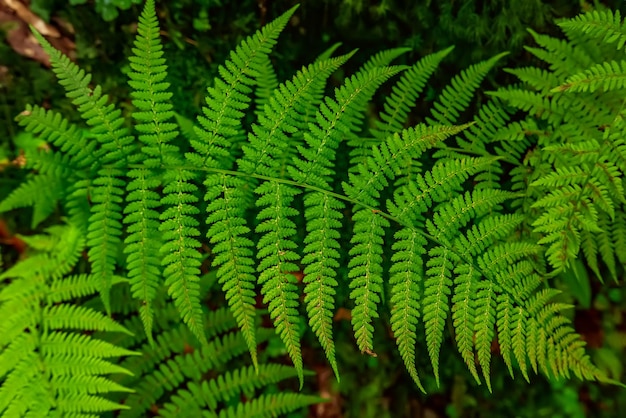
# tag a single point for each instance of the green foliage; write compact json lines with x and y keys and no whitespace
{"x":61,"y":355}
{"x":573,"y":187}
{"x":48,"y":364}
{"x":432,"y":224}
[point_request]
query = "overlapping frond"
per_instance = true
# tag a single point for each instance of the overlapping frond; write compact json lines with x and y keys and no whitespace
{"x":269,"y":145}
{"x":604,"y":25}
{"x":405,"y":92}
{"x":41,"y":191}
{"x":607,"y":76}
{"x":49,"y":366}
{"x":398,"y":105}
{"x":177,"y":376}
{"x":576,"y":185}
{"x":229,"y":96}
{"x":51,"y":171}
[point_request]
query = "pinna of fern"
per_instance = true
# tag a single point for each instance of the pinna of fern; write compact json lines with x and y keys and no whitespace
{"x":455,"y":249}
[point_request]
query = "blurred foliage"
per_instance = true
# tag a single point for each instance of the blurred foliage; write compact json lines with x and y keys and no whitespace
{"x":202,"y":32}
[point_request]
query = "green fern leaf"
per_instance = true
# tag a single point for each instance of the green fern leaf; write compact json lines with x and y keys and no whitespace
{"x":383,"y":58}
{"x":181,"y":258}
{"x":484,"y":326}
{"x":233,"y":253}
{"x":156,"y":132}
{"x":41,"y":191}
{"x":52,"y":127}
{"x":227,"y":100}
{"x":607,"y":76}
{"x":435,"y":301}
{"x":48,"y":365}
{"x":405,"y":278}
{"x":599,"y":24}
{"x":269,"y":405}
{"x":224,"y":388}
{"x":464,"y":315}
{"x":277,"y":263}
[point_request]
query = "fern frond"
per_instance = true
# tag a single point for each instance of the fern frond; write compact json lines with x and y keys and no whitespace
{"x":78,"y":317}
{"x":105,"y":120}
{"x":179,"y":377}
{"x":383,"y":58}
{"x":484,"y":233}
{"x":328,"y":52}
{"x":471,"y":245}
{"x":618,"y":239}
{"x":233,"y":250}
{"x":537,"y":78}
{"x":105,"y":227}
{"x":366,"y":274}
{"x":227,"y":100}
{"x":606,"y":25}
{"x":365,"y":264}
{"x":283,"y":116}
{"x":437,"y":290}
{"x":48,"y":365}
{"x":417,"y":196}
{"x":52,"y":127}
{"x":266,"y":84}
{"x":397,"y":106}
{"x":74,"y":287}
{"x":607,"y":76}
{"x":150,"y":93}
{"x":334,"y":118}
{"x":563,"y":57}
{"x":270,"y":404}
{"x":41,"y":191}
{"x":172,"y":373}
{"x":387,"y":159}
{"x":464,"y":315}
{"x":208,"y":393}
{"x":143,"y":241}
{"x":484,"y":326}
